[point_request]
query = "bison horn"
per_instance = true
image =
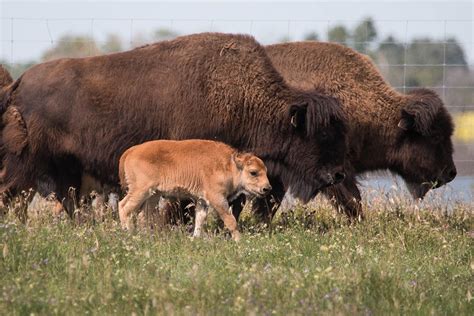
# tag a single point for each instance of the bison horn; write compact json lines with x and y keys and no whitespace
{"x":293,"y":121}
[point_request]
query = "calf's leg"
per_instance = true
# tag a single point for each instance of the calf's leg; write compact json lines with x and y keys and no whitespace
{"x":130,"y":204}
{"x":201,"y":215}
{"x":220,"y":204}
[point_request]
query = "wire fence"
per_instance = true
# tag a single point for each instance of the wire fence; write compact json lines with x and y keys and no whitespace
{"x":447,"y":68}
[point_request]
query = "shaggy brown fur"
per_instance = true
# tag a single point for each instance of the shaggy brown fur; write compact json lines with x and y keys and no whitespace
{"x":210,"y":173}
{"x":408,"y":134}
{"x":13,"y":133}
{"x":5,"y":77}
{"x":81,"y":114}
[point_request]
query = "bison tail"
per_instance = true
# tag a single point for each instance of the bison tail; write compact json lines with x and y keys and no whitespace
{"x":7,"y":86}
{"x":5,"y":77}
{"x":5,"y":81}
{"x":14,"y":133}
{"x":123,"y":181}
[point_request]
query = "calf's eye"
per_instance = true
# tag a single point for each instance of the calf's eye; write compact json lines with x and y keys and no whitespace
{"x":253,"y":173}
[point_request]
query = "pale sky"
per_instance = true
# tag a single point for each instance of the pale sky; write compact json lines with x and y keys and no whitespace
{"x":28,"y":28}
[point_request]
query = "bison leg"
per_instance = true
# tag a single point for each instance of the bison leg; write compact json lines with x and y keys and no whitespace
{"x":61,"y":176}
{"x":346,"y":196}
{"x":201,"y":215}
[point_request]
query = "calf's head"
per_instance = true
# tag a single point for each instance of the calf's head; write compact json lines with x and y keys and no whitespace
{"x":252,"y":174}
{"x":423,"y":153}
{"x":319,"y":148}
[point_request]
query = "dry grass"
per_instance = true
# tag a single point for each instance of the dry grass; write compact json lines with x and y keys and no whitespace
{"x":406,"y":258}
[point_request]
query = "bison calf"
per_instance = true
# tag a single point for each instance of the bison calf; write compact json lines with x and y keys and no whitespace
{"x":211,"y":173}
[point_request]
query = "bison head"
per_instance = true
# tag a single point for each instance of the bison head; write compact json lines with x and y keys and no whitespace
{"x":424,"y":150}
{"x":319,"y":147}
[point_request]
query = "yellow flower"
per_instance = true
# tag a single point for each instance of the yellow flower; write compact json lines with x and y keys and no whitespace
{"x":464,"y":127}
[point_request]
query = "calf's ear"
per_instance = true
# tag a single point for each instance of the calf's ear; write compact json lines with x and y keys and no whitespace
{"x":239,"y":160}
{"x":298,"y":116}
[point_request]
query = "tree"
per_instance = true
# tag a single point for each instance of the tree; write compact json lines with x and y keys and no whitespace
{"x":72,"y":46}
{"x":391,"y":50}
{"x":311,"y":36}
{"x":454,"y":53}
{"x":363,"y":34}
{"x":139,"y":39}
{"x":428,"y":58}
{"x":16,"y":69}
{"x":390,"y":55}
{"x":284,"y":39}
{"x":112,"y":44}
{"x":163,"y":34}
{"x":338,"y":34}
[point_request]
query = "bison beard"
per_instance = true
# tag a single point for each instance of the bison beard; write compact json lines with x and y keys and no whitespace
{"x":82,"y":114}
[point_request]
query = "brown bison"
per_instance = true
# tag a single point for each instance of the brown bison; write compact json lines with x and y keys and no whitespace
{"x":80,"y":115}
{"x":408,"y":134}
{"x":211,"y":173}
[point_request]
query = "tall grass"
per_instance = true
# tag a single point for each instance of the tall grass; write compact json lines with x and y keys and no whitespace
{"x":404,"y":258}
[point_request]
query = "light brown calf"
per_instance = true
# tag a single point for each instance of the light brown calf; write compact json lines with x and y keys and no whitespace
{"x":210,"y":173}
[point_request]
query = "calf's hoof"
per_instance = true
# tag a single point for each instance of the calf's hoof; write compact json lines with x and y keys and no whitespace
{"x":236,"y":236}
{"x":126,"y":223}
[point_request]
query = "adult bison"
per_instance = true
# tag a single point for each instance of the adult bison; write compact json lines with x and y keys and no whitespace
{"x":408,"y":134}
{"x":80,"y":115}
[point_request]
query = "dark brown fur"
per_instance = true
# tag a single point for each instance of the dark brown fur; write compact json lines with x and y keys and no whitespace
{"x":408,"y":134}
{"x":81,"y":114}
{"x":5,"y":77}
{"x":13,"y":133}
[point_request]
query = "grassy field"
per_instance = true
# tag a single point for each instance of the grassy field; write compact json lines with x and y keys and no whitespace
{"x":402,"y":260}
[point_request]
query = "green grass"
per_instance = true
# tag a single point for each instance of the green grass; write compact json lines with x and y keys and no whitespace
{"x":399,"y":261}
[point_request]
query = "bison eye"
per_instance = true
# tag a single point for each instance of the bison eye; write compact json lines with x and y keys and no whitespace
{"x":253,"y":173}
{"x":437,"y":138}
{"x":324,"y":135}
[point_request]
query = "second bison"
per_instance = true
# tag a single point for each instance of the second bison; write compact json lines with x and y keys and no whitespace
{"x":408,"y":134}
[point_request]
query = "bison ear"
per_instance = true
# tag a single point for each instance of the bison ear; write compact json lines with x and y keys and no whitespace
{"x":407,"y":121}
{"x":421,"y":111}
{"x":298,"y":116}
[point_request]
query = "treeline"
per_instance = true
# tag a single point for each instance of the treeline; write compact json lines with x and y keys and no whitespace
{"x":422,"y":62}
